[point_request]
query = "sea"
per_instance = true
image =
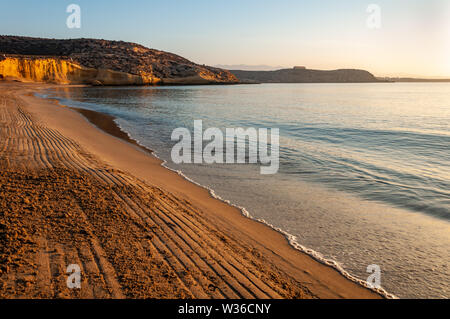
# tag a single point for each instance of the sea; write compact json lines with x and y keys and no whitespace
{"x":364,"y":169}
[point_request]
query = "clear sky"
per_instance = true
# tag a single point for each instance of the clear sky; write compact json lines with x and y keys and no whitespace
{"x":414,"y":37}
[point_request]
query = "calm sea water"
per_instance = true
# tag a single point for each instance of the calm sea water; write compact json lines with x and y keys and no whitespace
{"x":364,"y":168}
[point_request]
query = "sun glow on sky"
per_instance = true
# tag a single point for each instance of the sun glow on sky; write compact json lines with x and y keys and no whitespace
{"x":447,"y":41}
{"x":414,"y":38}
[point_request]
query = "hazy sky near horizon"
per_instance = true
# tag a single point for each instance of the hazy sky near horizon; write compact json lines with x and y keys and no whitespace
{"x":414,"y":37}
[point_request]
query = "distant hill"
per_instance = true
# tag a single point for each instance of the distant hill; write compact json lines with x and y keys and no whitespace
{"x":396,"y":79}
{"x":303,"y":75}
{"x":104,"y":62}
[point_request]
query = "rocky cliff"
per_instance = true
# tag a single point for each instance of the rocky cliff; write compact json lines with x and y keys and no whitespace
{"x":100,"y":62}
{"x":298,"y":75}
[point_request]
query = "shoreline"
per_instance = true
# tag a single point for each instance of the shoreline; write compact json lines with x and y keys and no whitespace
{"x":320,"y":281}
{"x":107,"y":123}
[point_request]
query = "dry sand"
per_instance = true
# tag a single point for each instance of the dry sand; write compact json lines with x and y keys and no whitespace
{"x":73,"y":194}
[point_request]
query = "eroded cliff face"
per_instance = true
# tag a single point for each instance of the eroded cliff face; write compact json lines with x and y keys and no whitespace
{"x":60,"y":71}
{"x":102,"y":62}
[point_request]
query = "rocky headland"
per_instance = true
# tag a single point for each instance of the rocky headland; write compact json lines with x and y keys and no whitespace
{"x":99,"y":62}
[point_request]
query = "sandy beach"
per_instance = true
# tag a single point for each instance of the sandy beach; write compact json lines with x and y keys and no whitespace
{"x":70,"y":193}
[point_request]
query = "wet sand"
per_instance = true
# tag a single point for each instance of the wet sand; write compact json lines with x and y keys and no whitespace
{"x":72,"y":194}
{"x":106,"y":123}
